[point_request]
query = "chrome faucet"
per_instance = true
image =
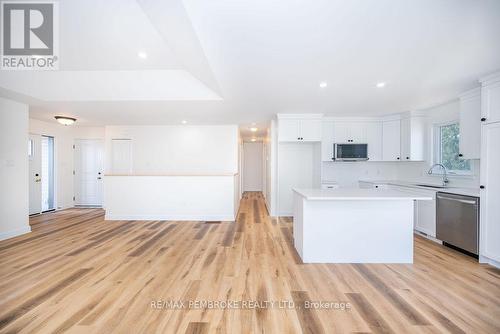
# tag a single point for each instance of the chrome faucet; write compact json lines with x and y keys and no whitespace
{"x":445,"y":176}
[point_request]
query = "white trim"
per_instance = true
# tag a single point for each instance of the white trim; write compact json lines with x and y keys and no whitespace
{"x":189,"y":217}
{"x":489,"y":79}
{"x":15,"y":233}
{"x":490,"y":261}
{"x":299,"y":116}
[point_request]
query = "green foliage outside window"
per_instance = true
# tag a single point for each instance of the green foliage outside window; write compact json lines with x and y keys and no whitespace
{"x":450,"y":138}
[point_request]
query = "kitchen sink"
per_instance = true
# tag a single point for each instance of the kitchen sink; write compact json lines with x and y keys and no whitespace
{"x":431,"y":186}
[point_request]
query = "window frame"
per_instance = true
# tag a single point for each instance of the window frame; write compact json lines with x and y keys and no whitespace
{"x":436,"y":150}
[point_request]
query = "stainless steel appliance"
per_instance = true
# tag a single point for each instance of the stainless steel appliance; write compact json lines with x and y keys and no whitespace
{"x":350,"y":152}
{"x":457,"y":221}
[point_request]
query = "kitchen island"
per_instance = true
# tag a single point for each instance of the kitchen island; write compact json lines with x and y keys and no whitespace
{"x":353,"y":225}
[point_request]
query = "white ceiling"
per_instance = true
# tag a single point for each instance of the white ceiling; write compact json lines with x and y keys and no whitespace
{"x":257,"y":58}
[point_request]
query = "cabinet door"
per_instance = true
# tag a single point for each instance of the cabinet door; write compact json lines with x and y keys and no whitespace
{"x":426,"y":216}
{"x":357,"y":132}
{"x":490,"y":95}
{"x":374,"y":140}
{"x":391,"y":140}
{"x":341,"y":130}
{"x":327,"y":141}
{"x":490,"y":195}
{"x":406,"y":139}
{"x":310,"y":130}
{"x":470,"y":126}
{"x":288,"y":130}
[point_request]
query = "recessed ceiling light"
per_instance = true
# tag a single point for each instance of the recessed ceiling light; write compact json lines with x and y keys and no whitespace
{"x":65,"y":120}
{"x":253,"y":139}
{"x":380,"y":84}
{"x":184,"y":122}
{"x":323,"y":84}
{"x":142,"y":55}
{"x":253,"y":129}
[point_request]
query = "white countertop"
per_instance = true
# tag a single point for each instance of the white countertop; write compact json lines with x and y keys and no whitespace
{"x":414,"y":184}
{"x":357,"y":194}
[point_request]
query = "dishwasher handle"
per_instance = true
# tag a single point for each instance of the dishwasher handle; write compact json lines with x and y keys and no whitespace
{"x":465,"y":201}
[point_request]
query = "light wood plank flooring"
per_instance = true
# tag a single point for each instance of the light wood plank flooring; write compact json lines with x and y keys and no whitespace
{"x":77,"y":273}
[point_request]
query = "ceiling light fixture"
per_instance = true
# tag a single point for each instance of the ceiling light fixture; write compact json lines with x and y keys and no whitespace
{"x":142,"y":55}
{"x":253,"y":129}
{"x":380,"y":84}
{"x":184,"y":122}
{"x":323,"y":84}
{"x":65,"y":120}
{"x":253,"y":139}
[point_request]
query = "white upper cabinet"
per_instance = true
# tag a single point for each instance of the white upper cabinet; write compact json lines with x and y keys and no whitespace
{"x":327,"y":141}
{"x":490,"y":98}
{"x":288,"y":130}
{"x":391,"y":140}
{"x":350,"y":132}
{"x":310,"y":129}
{"x":470,"y":124}
{"x":373,"y":131}
{"x":412,"y":138}
{"x":299,"y":128}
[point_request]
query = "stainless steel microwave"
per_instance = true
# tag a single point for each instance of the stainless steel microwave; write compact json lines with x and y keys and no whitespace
{"x":350,"y":152}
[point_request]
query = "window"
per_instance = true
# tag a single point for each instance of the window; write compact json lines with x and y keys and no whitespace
{"x":30,"y":148}
{"x":447,"y":149}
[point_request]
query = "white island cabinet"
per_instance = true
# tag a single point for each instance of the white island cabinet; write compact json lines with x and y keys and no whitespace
{"x":354,"y":225}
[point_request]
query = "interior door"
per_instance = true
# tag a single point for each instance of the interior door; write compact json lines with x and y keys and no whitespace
{"x":88,"y":172}
{"x":35,"y":173}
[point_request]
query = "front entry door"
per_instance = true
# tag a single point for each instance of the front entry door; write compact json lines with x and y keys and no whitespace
{"x":35,"y":173}
{"x":88,"y":172}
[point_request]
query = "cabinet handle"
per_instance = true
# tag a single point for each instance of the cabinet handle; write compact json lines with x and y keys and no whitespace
{"x":397,"y":158}
{"x":481,"y":187}
{"x":407,"y":158}
{"x":460,"y":155}
{"x":483,"y":119}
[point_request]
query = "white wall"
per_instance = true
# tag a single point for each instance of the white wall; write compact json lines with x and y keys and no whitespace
{"x":178,"y":149}
{"x":298,"y":167}
{"x":14,"y":189}
{"x":64,"y":137}
{"x":252,"y":166}
{"x":347,"y":174}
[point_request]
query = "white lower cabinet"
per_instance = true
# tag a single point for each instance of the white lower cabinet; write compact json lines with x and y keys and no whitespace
{"x":425,"y":211}
{"x":490,"y":194}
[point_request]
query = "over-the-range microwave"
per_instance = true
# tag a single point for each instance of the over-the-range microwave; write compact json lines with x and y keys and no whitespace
{"x":350,"y":152}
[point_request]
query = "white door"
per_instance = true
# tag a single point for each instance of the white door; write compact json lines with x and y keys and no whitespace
{"x":391,"y":140}
{"x":490,"y":194}
{"x":252,"y":167}
{"x":88,"y":172}
{"x":35,"y":173}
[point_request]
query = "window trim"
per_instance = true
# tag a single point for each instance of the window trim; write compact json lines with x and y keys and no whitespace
{"x":436,"y":151}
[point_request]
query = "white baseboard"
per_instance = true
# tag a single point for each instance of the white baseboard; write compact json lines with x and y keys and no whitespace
{"x":427,"y":236}
{"x":15,"y":233}
{"x":172,"y":217}
{"x":487,"y":260}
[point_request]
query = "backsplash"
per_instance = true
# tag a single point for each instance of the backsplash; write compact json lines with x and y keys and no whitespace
{"x":349,"y":173}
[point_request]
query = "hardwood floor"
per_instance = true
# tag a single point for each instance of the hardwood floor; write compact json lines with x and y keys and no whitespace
{"x":78,"y":273}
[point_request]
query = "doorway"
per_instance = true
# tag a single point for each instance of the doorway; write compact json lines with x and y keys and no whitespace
{"x":41,"y":174}
{"x":252,"y":166}
{"x":88,"y":172}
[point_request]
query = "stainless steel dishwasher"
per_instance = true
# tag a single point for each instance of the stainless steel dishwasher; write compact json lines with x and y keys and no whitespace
{"x":457,"y":221}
